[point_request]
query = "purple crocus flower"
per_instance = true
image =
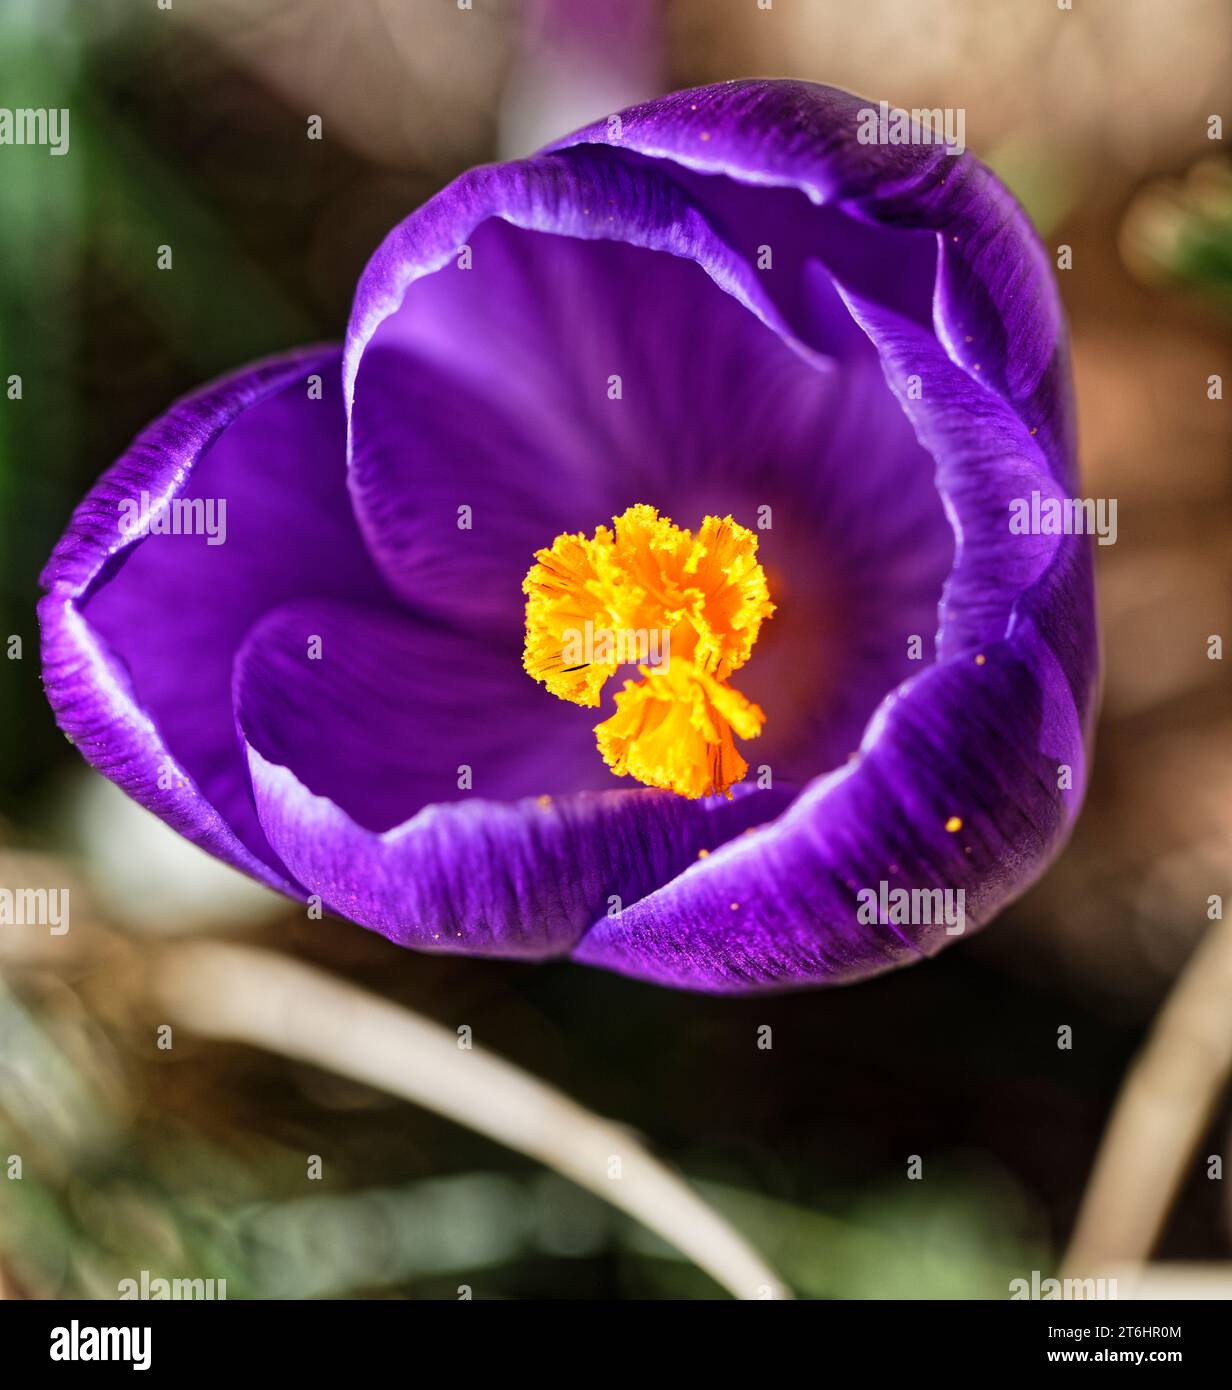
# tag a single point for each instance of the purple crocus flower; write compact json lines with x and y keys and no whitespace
{"x":807,"y":378}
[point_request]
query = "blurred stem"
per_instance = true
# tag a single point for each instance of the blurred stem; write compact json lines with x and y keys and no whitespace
{"x":1160,"y":1115}
{"x":247,"y":995}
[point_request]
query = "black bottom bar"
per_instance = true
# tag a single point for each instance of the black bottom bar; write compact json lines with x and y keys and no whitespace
{"x":219,"y":1339}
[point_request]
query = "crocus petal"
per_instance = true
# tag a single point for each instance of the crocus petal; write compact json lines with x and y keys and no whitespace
{"x":413,"y":709}
{"x":589,"y":196}
{"x":408,"y":706}
{"x":140,"y":630}
{"x":986,"y":459}
{"x":506,"y":331}
{"x":994,"y":302}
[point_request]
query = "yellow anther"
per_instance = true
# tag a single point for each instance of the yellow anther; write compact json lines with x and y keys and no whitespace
{"x":685,"y":608}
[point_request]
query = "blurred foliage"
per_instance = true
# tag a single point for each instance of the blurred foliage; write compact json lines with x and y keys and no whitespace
{"x":40,"y":218}
{"x":1181,"y":230}
{"x":111,"y":1186}
{"x":194,"y":1162}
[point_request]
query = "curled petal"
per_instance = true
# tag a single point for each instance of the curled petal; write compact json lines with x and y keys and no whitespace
{"x":994,"y":301}
{"x":140,"y":626}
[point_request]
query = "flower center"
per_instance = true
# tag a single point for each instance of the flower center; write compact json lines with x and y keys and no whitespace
{"x":686,"y":607}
